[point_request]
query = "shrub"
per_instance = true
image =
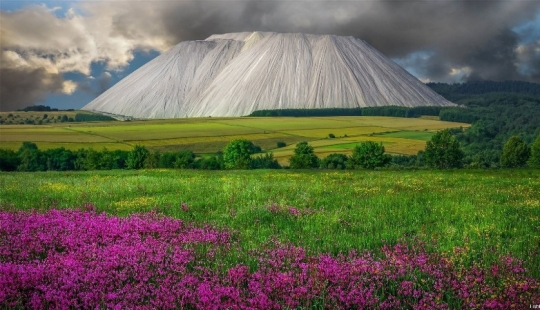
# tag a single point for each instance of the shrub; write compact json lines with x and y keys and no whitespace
{"x":137,"y":157}
{"x":266,"y":161}
{"x":304,"y":157}
{"x":443,"y":151}
{"x":515,"y":153}
{"x":534,"y":160}
{"x":334,"y":161}
{"x":369,"y":155}
{"x":237,"y":154}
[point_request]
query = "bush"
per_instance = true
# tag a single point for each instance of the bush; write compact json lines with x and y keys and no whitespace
{"x":534,"y":160}
{"x":304,"y":157}
{"x":335,"y":161}
{"x":237,"y":154}
{"x":369,"y":155}
{"x":184,"y":160}
{"x":8,"y":160}
{"x":266,"y":161}
{"x":281,"y":144}
{"x":443,"y":151}
{"x":515,"y":153}
{"x":137,"y":157}
{"x":331,"y":136}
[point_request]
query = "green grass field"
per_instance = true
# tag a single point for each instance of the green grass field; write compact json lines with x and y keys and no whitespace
{"x":483,"y":214}
{"x":210,"y":135}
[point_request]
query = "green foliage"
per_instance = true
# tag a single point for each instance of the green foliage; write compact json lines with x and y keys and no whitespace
{"x":369,"y":155}
{"x":266,"y":161}
{"x":304,"y":157}
{"x":443,"y":151}
{"x":38,"y":108}
{"x":59,"y":159}
{"x":497,"y":111}
{"x":137,"y":157}
{"x":152,"y":160}
{"x":394,"y":111}
{"x":515,"y":153}
{"x":184,"y":160}
{"x":331,"y":136}
{"x":534,"y":160}
{"x":30,"y":158}
{"x":210,"y":163}
{"x":334,"y":161}
{"x":9,"y":161}
{"x":455,"y":92}
{"x":85,"y":117}
{"x":405,"y":161}
{"x":281,"y":144}
{"x":237,"y":154}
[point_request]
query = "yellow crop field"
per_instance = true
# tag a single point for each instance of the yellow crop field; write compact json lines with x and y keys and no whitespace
{"x":345,"y":145}
{"x":210,"y":135}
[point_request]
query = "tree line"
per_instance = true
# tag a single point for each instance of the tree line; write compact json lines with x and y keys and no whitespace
{"x":394,"y":111}
{"x":496,"y":110}
{"x":443,"y":151}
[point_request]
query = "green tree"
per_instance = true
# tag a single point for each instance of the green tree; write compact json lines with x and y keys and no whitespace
{"x":515,"y":153}
{"x":166,"y":160}
{"x":266,"y":161}
{"x":184,"y":160}
{"x":59,"y":159}
{"x":152,"y":160}
{"x":136,"y":157}
{"x":534,"y":160}
{"x":369,"y":155}
{"x":92,"y":160}
{"x":304,"y":157}
{"x":8,"y":160}
{"x":334,"y":161}
{"x":237,"y":154}
{"x":30,"y":158}
{"x":210,"y":163}
{"x":443,"y":151}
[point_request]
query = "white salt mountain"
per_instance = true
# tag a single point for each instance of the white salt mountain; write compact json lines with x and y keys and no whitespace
{"x":237,"y":73}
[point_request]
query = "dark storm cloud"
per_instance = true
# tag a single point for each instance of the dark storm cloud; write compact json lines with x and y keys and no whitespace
{"x":103,"y":82}
{"x":474,"y":36}
{"x":20,"y":88}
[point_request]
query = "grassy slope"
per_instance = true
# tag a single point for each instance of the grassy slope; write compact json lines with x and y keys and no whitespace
{"x":209,"y":135}
{"x":486,"y":213}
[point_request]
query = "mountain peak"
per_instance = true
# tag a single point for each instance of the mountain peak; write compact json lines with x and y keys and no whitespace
{"x":234,"y":74}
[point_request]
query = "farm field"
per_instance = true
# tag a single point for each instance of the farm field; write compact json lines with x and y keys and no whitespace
{"x":210,"y":135}
{"x":279,"y":239}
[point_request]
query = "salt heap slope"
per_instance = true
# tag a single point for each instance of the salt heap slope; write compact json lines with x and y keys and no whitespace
{"x":237,"y":73}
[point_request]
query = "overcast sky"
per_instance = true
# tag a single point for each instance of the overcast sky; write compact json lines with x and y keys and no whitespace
{"x":65,"y":53}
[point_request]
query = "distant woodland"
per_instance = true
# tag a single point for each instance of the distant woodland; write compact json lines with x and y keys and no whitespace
{"x":496,"y":110}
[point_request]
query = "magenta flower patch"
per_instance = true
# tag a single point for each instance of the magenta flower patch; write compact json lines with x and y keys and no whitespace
{"x":82,"y":259}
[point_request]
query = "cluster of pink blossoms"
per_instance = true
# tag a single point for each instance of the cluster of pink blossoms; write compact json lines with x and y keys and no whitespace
{"x":82,"y":259}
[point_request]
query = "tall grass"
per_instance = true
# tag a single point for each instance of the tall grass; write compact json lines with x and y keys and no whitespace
{"x":480,"y":214}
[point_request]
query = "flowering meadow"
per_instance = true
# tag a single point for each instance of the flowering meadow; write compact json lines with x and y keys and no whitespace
{"x":270,"y":239}
{"x":84,"y":259}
